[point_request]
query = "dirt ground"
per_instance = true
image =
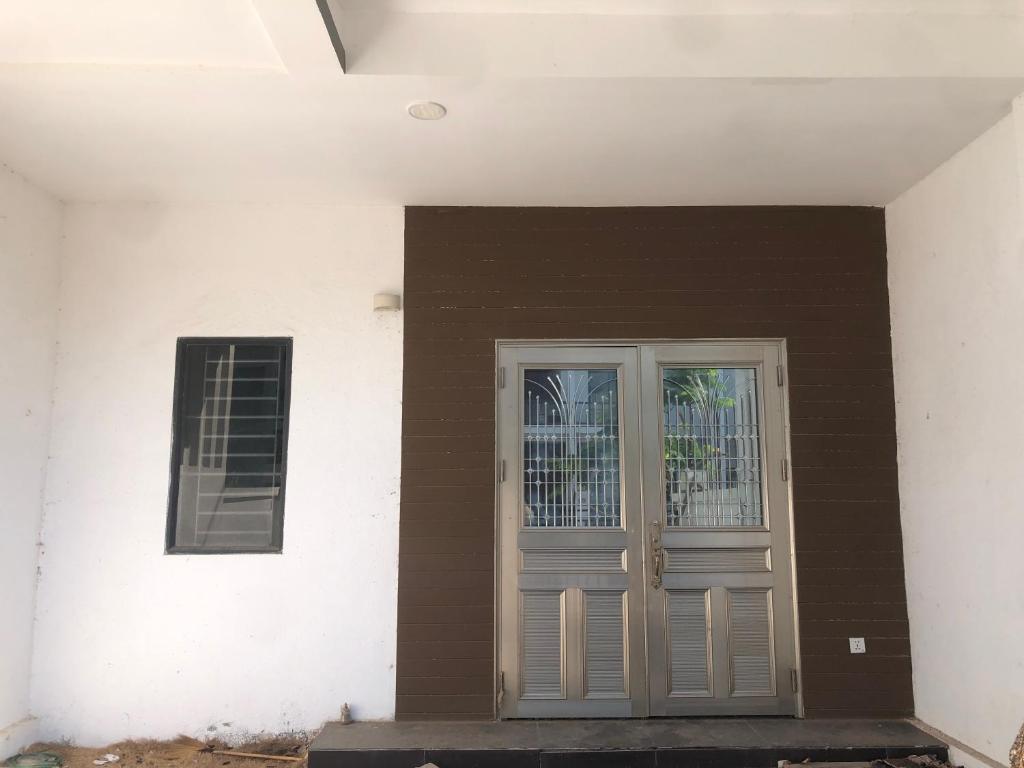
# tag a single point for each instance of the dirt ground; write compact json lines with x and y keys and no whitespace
{"x":181,"y":753}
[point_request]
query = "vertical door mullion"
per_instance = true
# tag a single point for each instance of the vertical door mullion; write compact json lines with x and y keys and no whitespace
{"x":783,"y":601}
{"x":507,"y":672}
{"x":574,"y":644}
{"x":655,"y":598}
{"x":720,"y":665}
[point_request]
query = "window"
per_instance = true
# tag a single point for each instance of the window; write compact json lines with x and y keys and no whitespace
{"x":230,"y":445}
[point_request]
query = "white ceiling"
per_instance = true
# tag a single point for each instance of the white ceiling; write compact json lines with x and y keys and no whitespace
{"x":575,"y":103}
{"x":226,"y":33}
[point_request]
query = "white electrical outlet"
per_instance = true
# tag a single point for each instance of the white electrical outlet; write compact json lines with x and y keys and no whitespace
{"x":857,"y":645}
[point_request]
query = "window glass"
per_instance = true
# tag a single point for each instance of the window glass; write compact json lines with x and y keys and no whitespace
{"x":229,"y":445}
{"x":570,"y":443}
{"x":712,"y":447}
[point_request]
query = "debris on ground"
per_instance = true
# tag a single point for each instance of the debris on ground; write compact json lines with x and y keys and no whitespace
{"x":256,"y":755}
{"x":914,"y":761}
{"x":34,"y":760}
{"x":182,"y":752}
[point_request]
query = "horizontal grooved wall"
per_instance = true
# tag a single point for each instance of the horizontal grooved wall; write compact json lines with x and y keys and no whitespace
{"x":815,"y":276}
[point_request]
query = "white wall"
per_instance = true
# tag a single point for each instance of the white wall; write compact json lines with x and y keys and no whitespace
{"x":29,"y":247}
{"x":956,"y":279}
{"x":133,"y":642}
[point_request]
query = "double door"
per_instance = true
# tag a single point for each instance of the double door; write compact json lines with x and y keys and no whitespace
{"x":644,"y":542}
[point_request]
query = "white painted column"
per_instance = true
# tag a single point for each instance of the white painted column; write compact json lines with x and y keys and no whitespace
{"x":956,"y":281}
{"x":30,"y":228}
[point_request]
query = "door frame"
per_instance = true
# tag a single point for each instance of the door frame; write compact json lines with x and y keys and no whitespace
{"x":783,"y":381}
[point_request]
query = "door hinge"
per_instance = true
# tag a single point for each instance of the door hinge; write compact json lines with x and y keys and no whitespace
{"x":780,"y":376}
{"x":500,"y":698}
{"x":794,"y":680}
{"x":785,"y":469}
{"x":501,"y":377}
{"x":501,"y":471}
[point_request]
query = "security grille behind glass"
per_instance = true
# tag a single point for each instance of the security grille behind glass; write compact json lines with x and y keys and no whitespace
{"x":230,"y":445}
{"x":712,"y":447}
{"x":571,"y":448}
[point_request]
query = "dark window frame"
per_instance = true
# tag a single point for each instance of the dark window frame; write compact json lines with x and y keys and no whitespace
{"x":177,"y":414}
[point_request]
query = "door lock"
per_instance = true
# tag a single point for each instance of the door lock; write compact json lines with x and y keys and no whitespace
{"x":657,"y":555}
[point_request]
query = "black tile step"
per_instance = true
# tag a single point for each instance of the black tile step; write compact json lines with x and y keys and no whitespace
{"x":683,"y":743}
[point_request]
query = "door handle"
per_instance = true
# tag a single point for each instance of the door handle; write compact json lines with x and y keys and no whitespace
{"x":657,"y":555}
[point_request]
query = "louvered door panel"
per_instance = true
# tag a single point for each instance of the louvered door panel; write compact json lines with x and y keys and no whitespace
{"x":718,"y":560}
{"x":604,"y":664}
{"x":573,"y":560}
{"x":751,"y":657}
{"x":689,"y":642}
{"x":543,"y":666}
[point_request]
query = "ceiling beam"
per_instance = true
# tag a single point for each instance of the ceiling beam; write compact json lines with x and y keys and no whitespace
{"x":305,"y":46}
{"x":332,"y":30}
{"x":778,"y":46}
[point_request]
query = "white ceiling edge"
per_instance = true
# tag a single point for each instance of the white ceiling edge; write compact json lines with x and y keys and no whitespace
{"x":690,"y":7}
{"x":1013,"y":113}
{"x":486,"y":45}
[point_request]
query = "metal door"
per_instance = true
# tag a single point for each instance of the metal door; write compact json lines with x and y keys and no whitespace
{"x":643,"y":531}
{"x":571,"y":633}
{"x":719,"y":586}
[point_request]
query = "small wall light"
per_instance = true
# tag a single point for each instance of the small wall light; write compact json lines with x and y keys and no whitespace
{"x":386,"y":302}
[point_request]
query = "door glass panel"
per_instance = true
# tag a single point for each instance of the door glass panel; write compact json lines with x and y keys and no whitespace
{"x":712,"y":447}
{"x":570,"y":443}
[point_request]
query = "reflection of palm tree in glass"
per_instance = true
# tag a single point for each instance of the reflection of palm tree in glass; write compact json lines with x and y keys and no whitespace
{"x":696,"y":399}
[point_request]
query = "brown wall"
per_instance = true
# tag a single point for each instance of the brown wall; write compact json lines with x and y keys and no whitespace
{"x":816,"y":276}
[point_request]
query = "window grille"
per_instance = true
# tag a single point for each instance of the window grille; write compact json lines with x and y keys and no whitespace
{"x":229,"y":452}
{"x":712,"y":445}
{"x":571,"y":449}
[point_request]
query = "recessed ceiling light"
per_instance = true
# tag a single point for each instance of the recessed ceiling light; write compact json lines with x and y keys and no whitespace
{"x":427,"y":110}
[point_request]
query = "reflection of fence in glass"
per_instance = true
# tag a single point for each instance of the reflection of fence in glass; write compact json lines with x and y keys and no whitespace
{"x":571,"y":449}
{"x":712,"y":447}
